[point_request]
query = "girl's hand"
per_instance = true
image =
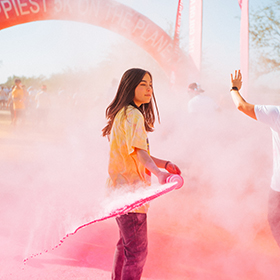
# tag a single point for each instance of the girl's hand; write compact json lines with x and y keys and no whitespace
{"x":172,"y":168}
{"x":162,"y":176}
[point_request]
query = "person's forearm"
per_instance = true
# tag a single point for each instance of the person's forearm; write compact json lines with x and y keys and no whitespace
{"x":148,"y":161}
{"x":160,"y":163}
{"x":238,"y":100}
{"x":243,"y":105}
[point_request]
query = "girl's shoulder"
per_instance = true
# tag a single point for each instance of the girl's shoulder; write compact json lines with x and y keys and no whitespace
{"x":133,"y":112}
{"x":130,"y":114}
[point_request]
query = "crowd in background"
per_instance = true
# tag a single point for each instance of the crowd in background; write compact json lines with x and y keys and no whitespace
{"x":22,"y":102}
{"x":4,"y":96}
{"x":32,"y":104}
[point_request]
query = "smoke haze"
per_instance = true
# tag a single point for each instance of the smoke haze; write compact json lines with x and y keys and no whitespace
{"x":214,"y":227}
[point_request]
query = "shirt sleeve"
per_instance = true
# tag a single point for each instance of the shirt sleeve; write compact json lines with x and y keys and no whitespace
{"x":269,"y":115}
{"x":136,"y":135}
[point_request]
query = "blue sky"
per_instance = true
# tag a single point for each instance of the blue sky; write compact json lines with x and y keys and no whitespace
{"x":42,"y":48}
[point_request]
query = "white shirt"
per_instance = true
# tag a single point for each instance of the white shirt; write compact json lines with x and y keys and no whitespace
{"x":270,"y":115}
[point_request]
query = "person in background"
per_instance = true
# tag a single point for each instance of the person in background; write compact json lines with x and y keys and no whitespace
{"x":10,"y":104}
{"x":3,"y":98}
{"x":26,"y":98}
{"x":199,"y":103}
{"x":43,"y":102}
{"x":18,"y":101}
{"x":32,"y":104}
{"x":269,"y":115}
{"x":130,"y":117}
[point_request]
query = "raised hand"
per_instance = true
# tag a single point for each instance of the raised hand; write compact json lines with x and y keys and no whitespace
{"x":236,"y":80}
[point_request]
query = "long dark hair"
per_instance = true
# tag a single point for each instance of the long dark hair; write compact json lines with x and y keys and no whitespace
{"x":125,"y":95}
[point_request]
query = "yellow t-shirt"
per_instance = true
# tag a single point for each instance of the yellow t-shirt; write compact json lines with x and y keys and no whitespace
{"x":127,"y":133}
{"x":18,"y":98}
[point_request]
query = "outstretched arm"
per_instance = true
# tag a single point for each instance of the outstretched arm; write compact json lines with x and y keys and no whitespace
{"x":239,"y":101}
{"x":149,"y":163}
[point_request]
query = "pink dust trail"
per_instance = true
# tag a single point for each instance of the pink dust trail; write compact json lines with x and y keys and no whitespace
{"x":127,"y":201}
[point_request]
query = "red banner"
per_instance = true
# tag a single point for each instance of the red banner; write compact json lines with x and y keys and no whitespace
{"x":178,"y":26}
{"x":244,"y":45}
{"x":240,"y":3}
{"x":195,"y":39}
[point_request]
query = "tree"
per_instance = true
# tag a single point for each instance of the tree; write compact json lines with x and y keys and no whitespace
{"x":27,"y":81}
{"x":265,"y":37}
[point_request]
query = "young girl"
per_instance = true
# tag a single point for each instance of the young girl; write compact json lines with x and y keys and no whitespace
{"x":130,"y":116}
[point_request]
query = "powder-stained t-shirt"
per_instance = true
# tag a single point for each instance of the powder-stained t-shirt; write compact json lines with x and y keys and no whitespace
{"x":128,"y":133}
{"x":270,"y":115}
{"x":18,"y":98}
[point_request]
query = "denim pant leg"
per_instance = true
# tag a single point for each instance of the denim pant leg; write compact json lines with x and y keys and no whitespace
{"x":274,"y":214}
{"x":132,"y":248}
{"x":118,"y":260}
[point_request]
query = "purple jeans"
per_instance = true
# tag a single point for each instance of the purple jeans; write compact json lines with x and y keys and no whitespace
{"x":132,"y":247}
